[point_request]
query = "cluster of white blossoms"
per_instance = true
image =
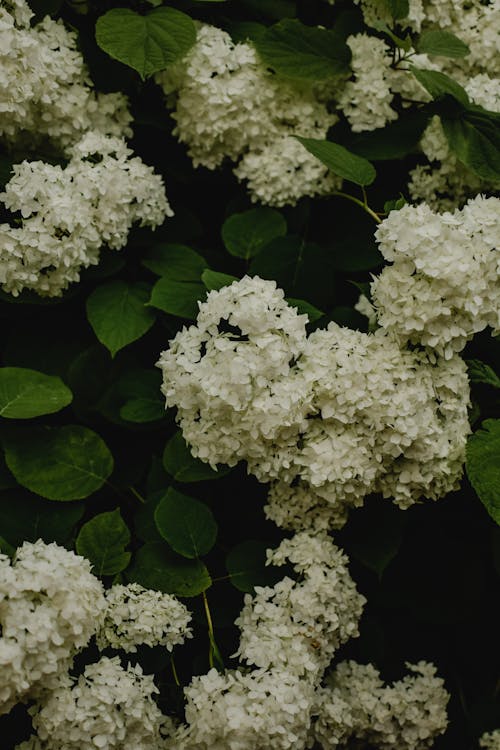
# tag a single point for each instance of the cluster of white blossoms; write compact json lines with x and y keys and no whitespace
{"x":327,"y":418}
{"x":49,"y":605}
{"x":490,"y":740}
{"x":106,"y":707}
{"x":68,"y":213}
{"x":227,"y":105}
{"x":355,"y":705}
{"x":297,"y":625}
{"x":290,"y":633}
{"x":45,"y":89}
{"x":442,"y":286}
{"x":62,"y":216}
{"x":138,"y":616}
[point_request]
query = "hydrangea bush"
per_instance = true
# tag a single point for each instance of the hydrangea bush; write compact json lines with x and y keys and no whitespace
{"x":249,"y":413}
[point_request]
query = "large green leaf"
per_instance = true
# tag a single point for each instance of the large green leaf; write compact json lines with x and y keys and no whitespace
{"x":246,"y":234}
{"x":303,"y":269}
{"x":303,"y":52}
{"x":25,"y":517}
{"x":184,"y":467}
{"x":186,"y":524}
{"x":246,"y":565}
{"x":178,"y":298}
{"x":102,"y":540}
{"x":394,"y":141}
{"x":157,"y":567}
{"x":147,"y":43}
{"x":58,"y":463}
{"x":341,"y":161}
{"x":27,"y":393}
{"x":439,"y":84}
{"x":480,"y":372}
{"x":216,"y":279}
{"x":118,"y":314}
{"x":474,"y":138}
{"x":178,"y":262}
{"x":437,"y":42}
{"x":483,"y":465}
{"x":144,"y":401}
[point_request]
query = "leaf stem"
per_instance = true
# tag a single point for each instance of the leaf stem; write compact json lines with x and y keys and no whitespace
{"x":214,"y":655}
{"x":174,"y":671}
{"x":358,"y":202}
{"x":137,"y":495}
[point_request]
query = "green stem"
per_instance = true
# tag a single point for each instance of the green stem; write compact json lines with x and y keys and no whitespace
{"x":214,"y":655}
{"x":137,"y":495}
{"x":174,"y":671}
{"x":363,"y":205}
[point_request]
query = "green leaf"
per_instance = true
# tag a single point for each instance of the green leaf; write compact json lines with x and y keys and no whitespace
{"x":178,"y":262}
{"x":28,"y":393}
{"x":157,"y":567}
{"x":303,"y":269}
{"x":305,"y":307}
{"x":186,"y":524}
{"x":58,"y":463}
{"x":436,"y":42}
{"x":474,"y":138}
{"x":184,"y":467}
{"x":303,"y":52}
{"x":246,"y":565}
{"x":147,"y":43}
{"x":25,"y":517}
{"x":341,"y":161}
{"x":392,"y":142}
{"x":480,"y":372}
{"x":178,"y":298}
{"x":246,"y":234}
{"x":144,"y":402}
{"x":439,"y":85}
{"x":102,"y":540}
{"x":398,"y":8}
{"x":216,"y":280}
{"x":117,"y":313}
{"x":483,"y":465}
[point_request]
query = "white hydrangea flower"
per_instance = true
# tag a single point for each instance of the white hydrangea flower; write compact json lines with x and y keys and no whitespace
{"x":282,"y":171}
{"x":69,"y":213}
{"x":45,"y":89}
{"x":366,"y":100}
{"x":107,"y":707}
{"x":50,"y":607}
{"x":229,"y":375}
{"x":296,"y":626}
{"x":328,"y":419}
{"x":375,"y":12}
{"x":443,"y":285}
{"x":355,"y":704}
{"x":238,"y":711}
{"x":490,"y":740}
{"x":229,"y":106}
{"x":135,"y":615}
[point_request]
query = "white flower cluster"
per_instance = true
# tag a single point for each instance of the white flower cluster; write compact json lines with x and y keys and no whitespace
{"x":49,"y":605}
{"x":69,"y":212}
{"x":45,"y":89}
{"x":107,"y":707}
{"x":229,"y":106}
{"x":297,"y":625}
{"x":135,"y":615}
{"x":443,"y":285}
{"x":490,"y":740}
{"x":356,"y":705}
{"x":245,"y":711}
{"x":329,"y":418}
